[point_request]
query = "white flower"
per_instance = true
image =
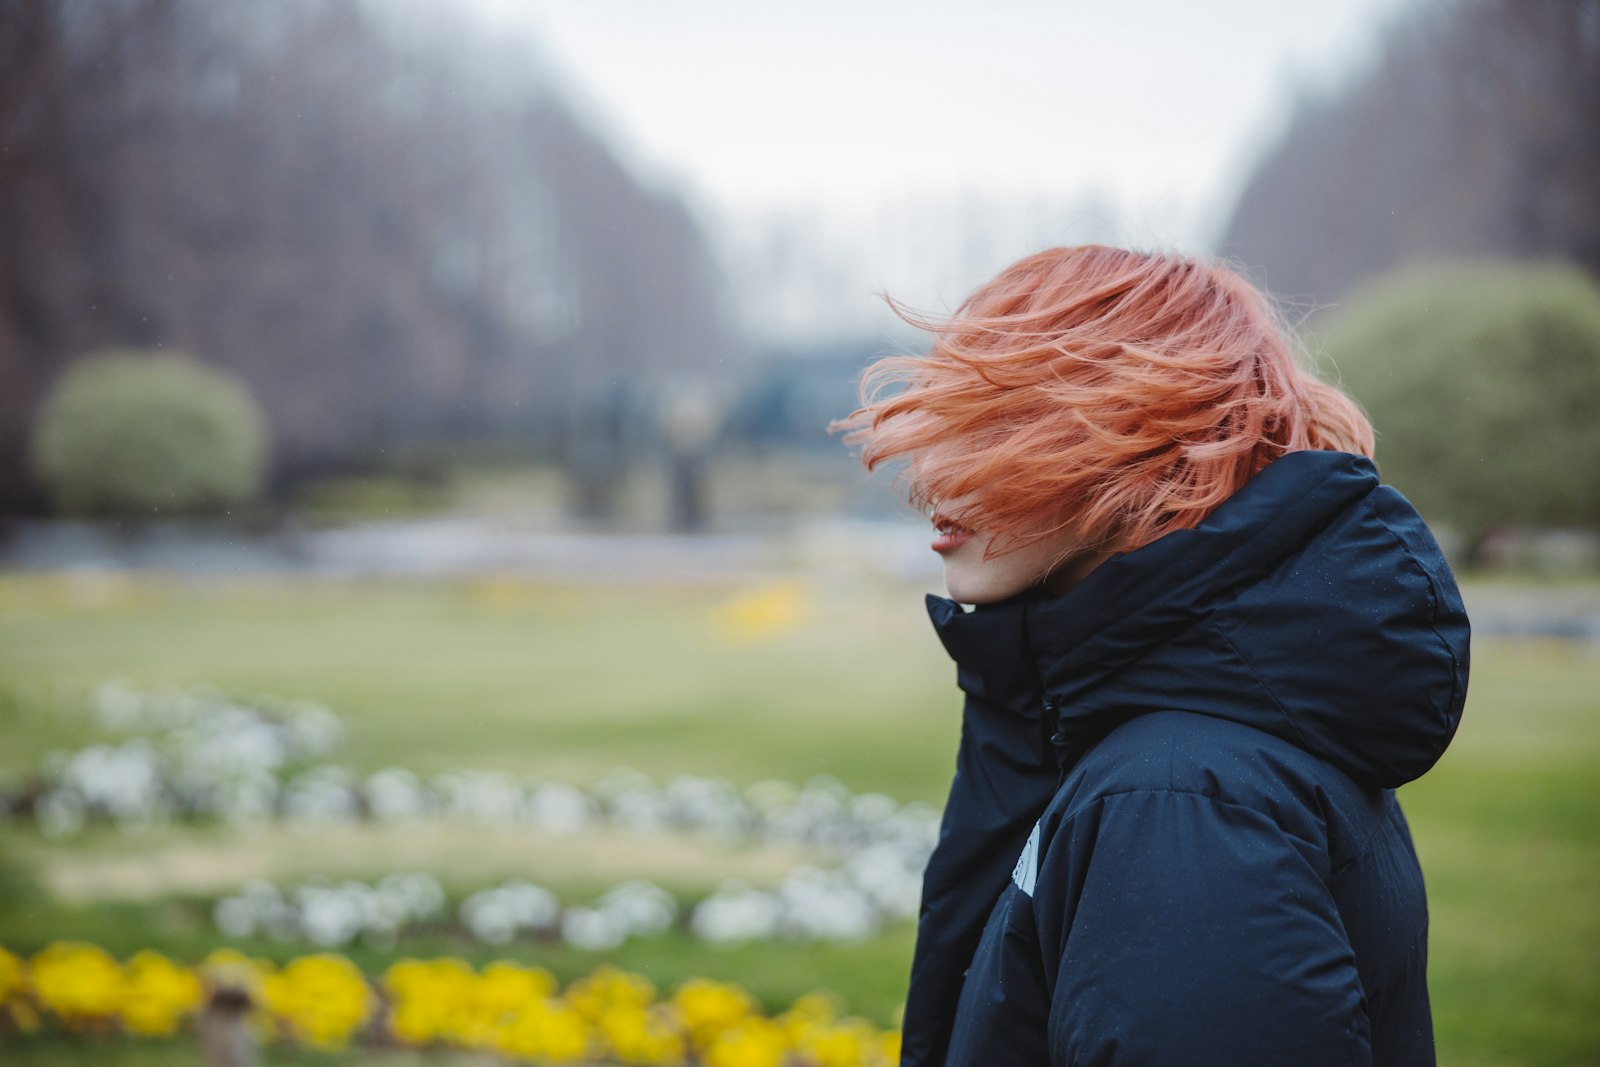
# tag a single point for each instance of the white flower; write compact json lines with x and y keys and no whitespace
{"x":641,"y":811}
{"x":330,"y":917}
{"x":420,"y":895}
{"x":872,"y":808}
{"x":489,"y":916}
{"x":246,"y":798}
{"x":487,"y":796}
{"x":313,"y":730}
{"x":710,"y":805}
{"x":592,"y":929}
{"x":824,"y":905}
{"x":322,"y":794}
{"x":890,"y":876}
{"x":119,"y":780}
{"x":560,"y":808}
{"x":736,"y":912}
{"x":395,"y":793}
{"x":235,"y":917}
{"x":533,"y":907}
{"x":640,"y":907}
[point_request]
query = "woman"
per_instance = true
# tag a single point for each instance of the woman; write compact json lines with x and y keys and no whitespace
{"x":1206,"y":646}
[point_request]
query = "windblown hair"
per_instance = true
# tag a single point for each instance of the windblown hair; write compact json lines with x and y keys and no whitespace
{"x":1116,"y":394}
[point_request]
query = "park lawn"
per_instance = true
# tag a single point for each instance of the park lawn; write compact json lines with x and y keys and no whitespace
{"x":73,"y":1051}
{"x":786,"y":681}
{"x":1508,"y":830}
{"x":789,"y":681}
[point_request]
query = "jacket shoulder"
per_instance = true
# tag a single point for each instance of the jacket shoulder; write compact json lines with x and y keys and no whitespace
{"x":1227,"y":761}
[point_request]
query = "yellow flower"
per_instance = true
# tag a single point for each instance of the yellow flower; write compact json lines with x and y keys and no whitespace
{"x":505,"y":987}
{"x":322,"y":999}
{"x":706,"y":1008}
{"x":648,"y":1037}
{"x":818,"y":1006}
{"x":753,"y":1043}
{"x":432,"y":1000}
{"x":547,"y":1030}
{"x":14,"y":1002}
{"x":764,"y":612}
{"x":609,"y":987}
{"x":806,"y":1015}
{"x":10,"y":976}
{"x":849,"y":1043}
{"x":492,"y":1000}
{"x":157,"y":994}
{"x":77,"y":982}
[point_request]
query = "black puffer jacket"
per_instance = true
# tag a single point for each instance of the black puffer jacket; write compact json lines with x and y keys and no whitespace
{"x":1172,"y":837}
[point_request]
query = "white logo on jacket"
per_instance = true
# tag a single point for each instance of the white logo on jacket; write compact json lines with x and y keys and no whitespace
{"x":1026,"y":873}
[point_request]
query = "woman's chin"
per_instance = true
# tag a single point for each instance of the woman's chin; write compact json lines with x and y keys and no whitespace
{"x":965,"y":589}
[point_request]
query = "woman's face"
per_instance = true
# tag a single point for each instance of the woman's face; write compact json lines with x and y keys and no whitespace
{"x":1057,"y":562}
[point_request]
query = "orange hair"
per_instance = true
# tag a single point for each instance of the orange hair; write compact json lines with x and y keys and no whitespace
{"x":1113,"y":393}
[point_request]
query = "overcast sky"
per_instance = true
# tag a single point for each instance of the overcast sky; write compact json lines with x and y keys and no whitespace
{"x":1156,"y":105}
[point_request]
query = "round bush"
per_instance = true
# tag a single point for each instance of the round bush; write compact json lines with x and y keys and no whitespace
{"x":1482,"y":380}
{"x":136,"y":434}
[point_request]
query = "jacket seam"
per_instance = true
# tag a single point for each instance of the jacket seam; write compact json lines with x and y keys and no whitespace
{"x":1379,"y":826}
{"x":1283,"y":713}
{"x":1456,"y":673}
{"x":1100,"y":799}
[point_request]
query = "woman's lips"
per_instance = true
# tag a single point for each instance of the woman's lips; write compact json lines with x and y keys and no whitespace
{"x":948,"y":536}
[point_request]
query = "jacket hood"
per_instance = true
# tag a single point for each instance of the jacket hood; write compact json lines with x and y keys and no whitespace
{"x":1313,"y":604}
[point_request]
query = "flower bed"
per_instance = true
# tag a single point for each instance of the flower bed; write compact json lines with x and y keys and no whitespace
{"x":510,"y":1009}
{"x":200,"y":754}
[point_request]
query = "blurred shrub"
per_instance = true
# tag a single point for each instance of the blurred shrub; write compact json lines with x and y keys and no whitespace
{"x":1483,"y":381}
{"x":131,"y":433}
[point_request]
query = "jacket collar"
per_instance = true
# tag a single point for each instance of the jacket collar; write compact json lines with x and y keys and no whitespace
{"x":1140,"y":599}
{"x":991,"y":647}
{"x":1327,"y":582}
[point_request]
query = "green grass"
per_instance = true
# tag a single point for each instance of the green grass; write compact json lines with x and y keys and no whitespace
{"x":559,"y":681}
{"x":573,"y":682}
{"x":567,"y":682}
{"x":1508,"y":830}
{"x":64,"y":1050}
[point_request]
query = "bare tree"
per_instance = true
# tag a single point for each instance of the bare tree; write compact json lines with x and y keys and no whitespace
{"x":1476,"y":132}
{"x":394,"y":231}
